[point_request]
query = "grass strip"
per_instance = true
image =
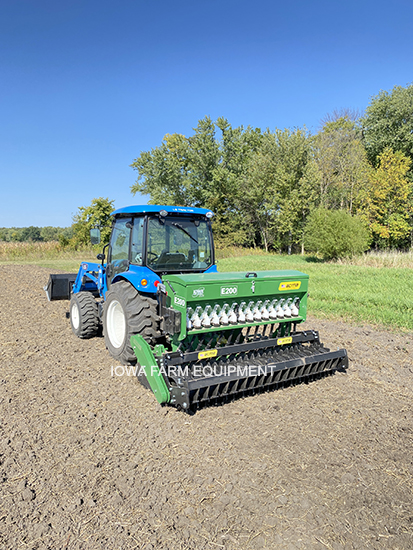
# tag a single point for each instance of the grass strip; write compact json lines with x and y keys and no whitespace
{"x":382,"y":296}
{"x":374,"y":288}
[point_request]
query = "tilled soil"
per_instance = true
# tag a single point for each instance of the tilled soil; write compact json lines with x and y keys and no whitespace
{"x":90,"y":460}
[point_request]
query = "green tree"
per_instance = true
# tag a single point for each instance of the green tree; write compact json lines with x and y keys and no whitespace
{"x":16,"y":234}
{"x":6,"y":233}
{"x":50,"y":233}
{"x":236,"y":147}
{"x":387,"y":202}
{"x":178,"y":171}
{"x":279,"y":188}
{"x":95,"y":215}
{"x":31,"y":233}
{"x":388,"y":122}
{"x":164,"y":173}
{"x":335,"y":234}
{"x":201,"y":170}
{"x":257,"y":203}
{"x":343,"y":164}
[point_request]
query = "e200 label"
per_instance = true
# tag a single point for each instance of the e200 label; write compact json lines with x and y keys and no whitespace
{"x":179,"y":301}
{"x":229,"y":290}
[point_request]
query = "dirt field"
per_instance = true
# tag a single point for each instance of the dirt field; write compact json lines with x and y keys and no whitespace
{"x":90,"y":460}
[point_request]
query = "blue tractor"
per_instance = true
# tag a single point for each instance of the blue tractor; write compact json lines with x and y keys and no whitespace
{"x":197,"y":335}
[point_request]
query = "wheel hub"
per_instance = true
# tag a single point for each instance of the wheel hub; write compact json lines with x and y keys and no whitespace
{"x":116,"y":325}
{"x":75,"y":316}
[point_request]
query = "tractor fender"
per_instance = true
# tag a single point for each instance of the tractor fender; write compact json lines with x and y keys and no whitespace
{"x":137,"y":276}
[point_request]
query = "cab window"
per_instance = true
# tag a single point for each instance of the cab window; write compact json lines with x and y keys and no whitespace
{"x":120,"y":240}
{"x":178,"y":244}
{"x":118,"y":259}
{"x":137,"y":241}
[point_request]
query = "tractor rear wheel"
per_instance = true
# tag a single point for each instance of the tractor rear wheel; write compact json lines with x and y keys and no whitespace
{"x":84,"y":317}
{"x":125,"y":313}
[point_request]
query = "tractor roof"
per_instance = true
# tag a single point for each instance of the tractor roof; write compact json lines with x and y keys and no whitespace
{"x":154,"y":208}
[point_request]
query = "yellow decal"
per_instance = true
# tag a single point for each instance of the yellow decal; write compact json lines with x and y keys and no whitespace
{"x":283,"y":341}
{"x":292,"y":285}
{"x":207,"y":354}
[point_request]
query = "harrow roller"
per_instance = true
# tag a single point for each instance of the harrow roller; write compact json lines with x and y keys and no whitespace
{"x":230,"y":371}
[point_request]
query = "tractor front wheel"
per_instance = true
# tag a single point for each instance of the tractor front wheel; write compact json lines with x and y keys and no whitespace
{"x":84,"y":317}
{"x":126,"y":312}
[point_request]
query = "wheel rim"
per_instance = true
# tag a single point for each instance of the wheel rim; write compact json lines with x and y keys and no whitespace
{"x":115,"y":324}
{"x":74,"y":315}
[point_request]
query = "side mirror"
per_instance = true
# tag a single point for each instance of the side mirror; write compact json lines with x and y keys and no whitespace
{"x":95,"y":235}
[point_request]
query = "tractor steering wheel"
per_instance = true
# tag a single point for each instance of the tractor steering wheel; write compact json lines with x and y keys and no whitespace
{"x":154,"y":256}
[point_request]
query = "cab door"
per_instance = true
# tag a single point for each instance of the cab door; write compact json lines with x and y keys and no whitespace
{"x":119,"y":246}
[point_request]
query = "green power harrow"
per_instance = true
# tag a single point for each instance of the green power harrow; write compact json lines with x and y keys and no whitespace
{"x":231,"y":334}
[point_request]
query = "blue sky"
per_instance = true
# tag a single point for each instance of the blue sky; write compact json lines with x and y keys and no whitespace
{"x":87,"y":85}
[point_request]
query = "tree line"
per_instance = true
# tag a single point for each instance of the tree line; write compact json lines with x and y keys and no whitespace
{"x":339,"y":191}
{"x":278,"y":189}
{"x":35,"y":234}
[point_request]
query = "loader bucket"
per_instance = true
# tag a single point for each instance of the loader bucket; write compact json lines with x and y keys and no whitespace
{"x":59,"y":286}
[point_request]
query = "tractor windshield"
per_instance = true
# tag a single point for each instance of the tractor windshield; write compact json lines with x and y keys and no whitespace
{"x":179,"y":244}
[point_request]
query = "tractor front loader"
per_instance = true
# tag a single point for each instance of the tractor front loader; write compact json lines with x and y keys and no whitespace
{"x":196,"y":336}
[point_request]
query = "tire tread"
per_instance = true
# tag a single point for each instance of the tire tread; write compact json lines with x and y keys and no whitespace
{"x":141,"y":318}
{"x":88,"y":312}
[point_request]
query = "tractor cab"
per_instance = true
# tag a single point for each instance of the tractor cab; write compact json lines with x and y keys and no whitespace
{"x":148,"y":242}
{"x":163,"y":242}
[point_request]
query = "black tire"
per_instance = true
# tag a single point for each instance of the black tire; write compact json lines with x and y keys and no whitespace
{"x":125,"y":313}
{"x":84,"y":317}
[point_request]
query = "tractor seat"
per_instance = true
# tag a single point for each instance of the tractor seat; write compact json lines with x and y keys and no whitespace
{"x":174,"y":258}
